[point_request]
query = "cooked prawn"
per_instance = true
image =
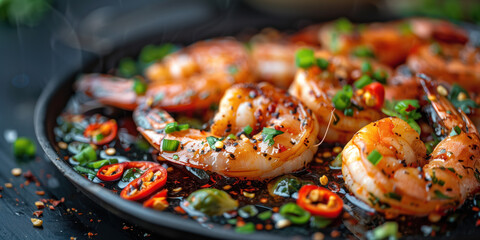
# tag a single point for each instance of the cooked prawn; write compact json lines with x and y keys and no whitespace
{"x":316,"y":89}
{"x":249,"y":156}
{"x":405,"y":180}
{"x":190,"y":79}
{"x":451,"y":63}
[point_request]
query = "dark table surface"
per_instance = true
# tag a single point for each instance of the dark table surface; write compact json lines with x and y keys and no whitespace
{"x":29,"y":58}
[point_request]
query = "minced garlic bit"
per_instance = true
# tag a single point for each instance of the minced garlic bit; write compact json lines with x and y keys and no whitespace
{"x":461,"y":96}
{"x":249,"y":195}
{"x":219,"y":144}
{"x":283,"y":223}
{"x":36,"y":222}
{"x":324,"y":180}
{"x":337,"y":149}
{"x":16,"y":172}
{"x":8,"y":185}
{"x":442,"y":90}
{"x":110,"y":151}
{"x":39,"y":204}
{"x":62,"y":145}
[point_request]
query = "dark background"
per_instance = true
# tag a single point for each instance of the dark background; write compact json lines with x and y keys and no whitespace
{"x":66,"y":36}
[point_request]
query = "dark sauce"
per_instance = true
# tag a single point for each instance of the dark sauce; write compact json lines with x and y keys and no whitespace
{"x":356,"y":220}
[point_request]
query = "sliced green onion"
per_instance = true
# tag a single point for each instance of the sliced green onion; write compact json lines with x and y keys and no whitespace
{"x":363,"y":81}
{"x":131,"y":174}
{"x":455,"y":131}
{"x":430,"y":145}
{"x":248,"y":211}
{"x":393,"y":195}
{"x":374,"y":157}
{"x":294,"y":213}
{"x":246,"y":229}
{"x":247,"y":130}
{"x":304,"y":58}
{"x":337,"y":162}
{"x":175,"y":127}
{"x":320,"y":222}
{"x":170,"y":145}
{"x":341,"y":100}
{"x":387,"y":230}
{"x":322,"y":63}
{"x":268,"y":134}
{"x":363,"y":51}
{"x":99,"y":137}
{"x":139,"y":86}
{"x":151,"y":53}
{"x":265,"y":215}
{"x":348,"y":112}
{"x":380,"y":76}
{"x":343,"y":25}
{"x":127,"y":67}
{"x":175,"y":157}
{"x":366,"y":67}
{"x":87,"y":154}
{"x":212,"y":140}
{"x":101,"y":163}
{"x":24,"y":147}
{"x":231,"y":136}
{"x":436,"y":49}
{"x":440,"y":195}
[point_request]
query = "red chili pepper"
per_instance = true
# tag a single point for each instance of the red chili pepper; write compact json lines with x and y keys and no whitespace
{"x":377,"y":91}
{"x":150,"y":181}
{"x":101,"y":133}
{"x":115,"y":171}
{"x":320,"y":201}
{"x":157,"y":201}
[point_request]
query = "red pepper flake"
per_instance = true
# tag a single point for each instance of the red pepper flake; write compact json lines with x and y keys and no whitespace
{"x":125,"y":228}
{"x":179,"y":210}
{"x":99,"y":220}
{"x":51,"y":207}
{"x":275,"y":209}
{"x":91,"y":220}
{"x":268,"y":227}
{"x":90,"y":234}
{"x":101,"y":184}
{"x":1,"y":196}
{"x":259,"y":226}
{"x":206,"y":185}
{"x":477,"y":223}
{"x":38,"y":213}
{"x":476,"y":209}
{"x":40,"y":193}
{"x":80,"y":214}
{"x":410,"y":108}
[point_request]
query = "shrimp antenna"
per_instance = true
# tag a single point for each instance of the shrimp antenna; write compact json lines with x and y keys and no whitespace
{"x":328,"y":127}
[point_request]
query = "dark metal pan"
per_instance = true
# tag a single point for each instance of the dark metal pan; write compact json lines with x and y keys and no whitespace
{"x":60,"y":89}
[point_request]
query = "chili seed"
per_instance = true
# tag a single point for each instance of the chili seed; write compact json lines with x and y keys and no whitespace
{"x":337,"y":149}
{"x":263,"y":200}
{"x":318,"y":236}
{"x":36,"y":222}
{"x":178,"y":189}
{"x":442,"y":90}
{"x":16,"y":172}
{"x":249,"y":195}
{"x":62,"y":145}
{"x":324,"y":180}
{"x":434,"y":217}
{"x":8,"y":185}
{"x":227,"y":187}
{"x":110,"y":151}
{"x":432,"y":98}
{"x":326,"y":154}
{"x":40,"y":193}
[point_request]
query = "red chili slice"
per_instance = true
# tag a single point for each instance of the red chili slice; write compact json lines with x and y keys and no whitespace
{"x":115,"y":171}
{"x":320,"y":201}
{"x":150,"y":181}
{"x":377,"y":91}
{"x":101,"y":133}
{"x":157,"y":201}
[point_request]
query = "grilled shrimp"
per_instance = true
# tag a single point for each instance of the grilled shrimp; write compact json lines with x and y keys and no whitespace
{"x":191,"y":79}
{"x":282,"y":134}
{"x":316,"y":88}
{"x":451,"y":63}
{"x":402,"y":179}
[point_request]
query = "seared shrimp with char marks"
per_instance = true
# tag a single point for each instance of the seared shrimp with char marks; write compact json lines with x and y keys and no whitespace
{"x":268,"y":134}
{"x":386,"y":164}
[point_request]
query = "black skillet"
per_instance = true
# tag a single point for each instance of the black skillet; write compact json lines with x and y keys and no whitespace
{"x":57,"y":93}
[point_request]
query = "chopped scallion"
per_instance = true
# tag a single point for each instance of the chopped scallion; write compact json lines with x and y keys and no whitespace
{"x":170,"y":145}
{"x":304,"y":58}
{"x":247,"y":130}
{"x":374,"y":157}
{"x":363,"y":81}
